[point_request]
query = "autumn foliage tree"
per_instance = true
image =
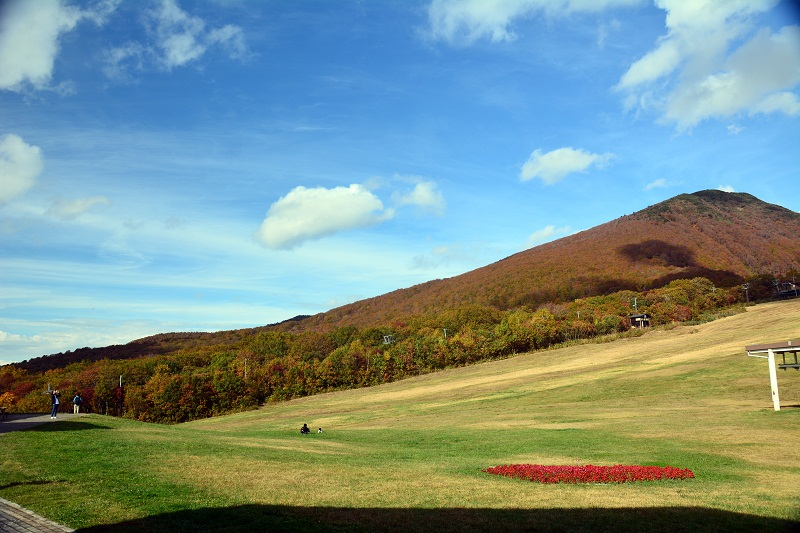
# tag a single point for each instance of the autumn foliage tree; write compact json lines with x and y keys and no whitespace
{"x":245,"y":370}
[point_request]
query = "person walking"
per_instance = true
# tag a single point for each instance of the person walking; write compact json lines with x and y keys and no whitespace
{"x":54,"y":402}
{"x":76,"y":403}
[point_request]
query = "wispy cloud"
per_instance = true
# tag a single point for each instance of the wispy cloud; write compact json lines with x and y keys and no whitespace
{"x":444,"y":257}
{"x":735,"y":129}
{"x":657,"y":184}
{"x":178,"y":39}
{"x":466,"y":21}
{"x":425,"y":196}
{"x":547,"y":234}
{"x":72,"y":209}
{"x":30,"y":35}
{"x":604,"y":30}
{"x":552,"y":167}
{"x":182,"y":38}
{"x":20,"y":165}
{"x":711,"y":64}
{"x":120,"y":61}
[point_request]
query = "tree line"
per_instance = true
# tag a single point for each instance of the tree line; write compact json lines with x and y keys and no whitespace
{"x":273,"y":365}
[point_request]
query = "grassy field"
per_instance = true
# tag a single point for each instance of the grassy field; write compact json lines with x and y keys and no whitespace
{"x":408,"y":455}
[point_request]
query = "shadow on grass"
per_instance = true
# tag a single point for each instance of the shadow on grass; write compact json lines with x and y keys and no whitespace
{"x":285,"y":518}
{"x":24,"y":483}
{"x":67,"y":425}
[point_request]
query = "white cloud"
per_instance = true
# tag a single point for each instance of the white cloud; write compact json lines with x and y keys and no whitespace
{"x":552,"y":167}
{"x":726,"y":188}
{"x":785,"y":102}
{"x":546,"y":234}
{"x":29,"y":33}
{"x":653,"y":66}
{"x":12,"y":347}
{"x":9,"y":337}
{"x":661,"y":182}
{"x":752,"y":80}
{"x":20,"y":165}
{"x":72,"y":209}
{"x":474,"y":19}
{"x":29,"y":38}
{"x":470,"y":20}
{"x":711,"y":64}
{"x":424,"y":195}
{"x":306,"y":214}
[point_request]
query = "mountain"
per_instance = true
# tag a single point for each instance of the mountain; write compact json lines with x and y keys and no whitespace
{"x":725,"y":237}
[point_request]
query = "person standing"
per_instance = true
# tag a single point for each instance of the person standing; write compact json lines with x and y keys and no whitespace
{"x":76,"y":403}
{"x":55,"y":402}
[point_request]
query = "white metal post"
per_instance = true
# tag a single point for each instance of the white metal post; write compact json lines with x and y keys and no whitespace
{"x":773,"y":380}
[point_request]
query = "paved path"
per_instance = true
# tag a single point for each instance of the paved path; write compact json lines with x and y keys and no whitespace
{"x":15,"y":422}
{"x":16,"y":519}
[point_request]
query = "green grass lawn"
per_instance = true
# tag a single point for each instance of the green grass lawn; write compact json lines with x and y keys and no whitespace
{"x":409,"y":455}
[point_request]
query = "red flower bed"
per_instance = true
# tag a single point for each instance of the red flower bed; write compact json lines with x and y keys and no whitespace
{"x":590,"y":473}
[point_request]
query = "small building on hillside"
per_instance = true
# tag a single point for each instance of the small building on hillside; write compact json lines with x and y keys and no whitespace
{"x":640,"y":321}
{"x":787,"y":289}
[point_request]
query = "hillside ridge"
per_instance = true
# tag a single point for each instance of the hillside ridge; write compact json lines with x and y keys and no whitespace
{"x":725,"y":237}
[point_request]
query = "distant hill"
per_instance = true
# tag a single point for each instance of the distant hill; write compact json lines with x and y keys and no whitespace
{"x":160,"y":344}
{"x":725,"y":237}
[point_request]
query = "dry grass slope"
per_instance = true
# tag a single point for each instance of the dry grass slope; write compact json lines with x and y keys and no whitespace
{"x":688,"y":394}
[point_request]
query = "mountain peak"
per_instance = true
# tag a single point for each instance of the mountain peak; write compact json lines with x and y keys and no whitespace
{"x":711,"y":203}
{"x":723,"y":236}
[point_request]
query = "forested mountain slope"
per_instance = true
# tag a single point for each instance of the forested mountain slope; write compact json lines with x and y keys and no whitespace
{"x":725,"y":237}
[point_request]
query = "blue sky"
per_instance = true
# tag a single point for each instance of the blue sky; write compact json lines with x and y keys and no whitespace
{"x":170,"y":165}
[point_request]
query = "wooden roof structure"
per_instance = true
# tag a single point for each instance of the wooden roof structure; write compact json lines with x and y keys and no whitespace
{"x":788,"y":350}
